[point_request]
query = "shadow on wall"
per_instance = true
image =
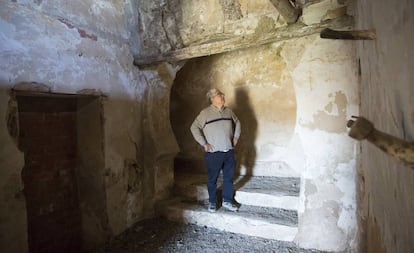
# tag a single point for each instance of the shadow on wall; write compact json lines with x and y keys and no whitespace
{"x":187,"y":99}
{"x":245,"y":149}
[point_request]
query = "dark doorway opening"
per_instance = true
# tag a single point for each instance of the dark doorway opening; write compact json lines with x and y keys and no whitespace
{"x":57,"y":152}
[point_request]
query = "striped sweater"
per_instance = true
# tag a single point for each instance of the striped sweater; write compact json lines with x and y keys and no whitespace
{"x":216,"y":127}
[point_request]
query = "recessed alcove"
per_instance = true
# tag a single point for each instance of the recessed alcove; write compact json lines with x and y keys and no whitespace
{"x":61,"y":138}
{"x":257,"y":87}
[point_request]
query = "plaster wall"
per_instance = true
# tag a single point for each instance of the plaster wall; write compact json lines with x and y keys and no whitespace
{"x":293,"y":99}
{"x":326,"y":84}
{"x":85,"y":47}
{"x":387,"y":92}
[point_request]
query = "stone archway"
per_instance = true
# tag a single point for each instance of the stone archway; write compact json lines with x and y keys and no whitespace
{"x":258,"y":88}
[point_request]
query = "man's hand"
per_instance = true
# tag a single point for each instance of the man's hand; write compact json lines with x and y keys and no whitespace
{"x":207,"y":147}
{"x":235,"y":140}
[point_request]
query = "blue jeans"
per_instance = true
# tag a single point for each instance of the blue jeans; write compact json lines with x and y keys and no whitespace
{"x":216,"y":162}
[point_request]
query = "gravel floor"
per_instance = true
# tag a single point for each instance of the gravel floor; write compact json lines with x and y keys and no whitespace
{"x":162,"y":236}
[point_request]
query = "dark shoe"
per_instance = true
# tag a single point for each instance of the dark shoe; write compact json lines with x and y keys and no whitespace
{"x":212,"y":208}
{"x":230,"y":206}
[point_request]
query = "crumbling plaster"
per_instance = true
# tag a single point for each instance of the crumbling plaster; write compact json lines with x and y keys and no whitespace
{"x":89,"y":48}
{"x":77,"y":47}
{"x":315,"y":83}
{"x":296,"y":98}
{"x":326,"y":69}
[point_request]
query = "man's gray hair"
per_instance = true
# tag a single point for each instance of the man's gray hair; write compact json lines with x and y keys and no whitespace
{"x":212,"y":93}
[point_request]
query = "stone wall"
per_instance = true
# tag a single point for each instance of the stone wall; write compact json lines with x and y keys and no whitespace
{"x":172,"y":24}
{"x":85,"y":47}
{"x":293,"y":99}
{"x":387,"y":92}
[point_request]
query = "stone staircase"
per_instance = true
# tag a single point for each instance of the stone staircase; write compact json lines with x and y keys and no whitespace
{"x":268,"y":206}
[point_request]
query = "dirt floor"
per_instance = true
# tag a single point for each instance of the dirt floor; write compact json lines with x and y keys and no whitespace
{"x":162,"y":236}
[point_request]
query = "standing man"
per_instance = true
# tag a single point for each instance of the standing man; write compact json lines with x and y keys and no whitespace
{"x":217,"y":129}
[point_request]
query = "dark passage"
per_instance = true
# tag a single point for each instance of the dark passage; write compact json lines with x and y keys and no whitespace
{"x":48,"y":139}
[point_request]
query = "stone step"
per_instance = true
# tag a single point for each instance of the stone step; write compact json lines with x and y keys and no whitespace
{"x":264,"y":222}
{"x":277,"y":192}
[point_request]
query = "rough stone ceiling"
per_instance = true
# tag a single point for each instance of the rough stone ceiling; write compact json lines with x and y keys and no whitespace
{"x":292,"y":25}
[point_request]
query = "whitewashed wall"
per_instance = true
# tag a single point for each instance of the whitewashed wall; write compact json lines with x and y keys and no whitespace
{"x":387,"y":93}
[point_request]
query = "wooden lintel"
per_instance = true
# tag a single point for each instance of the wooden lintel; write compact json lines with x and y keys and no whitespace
{"x":328,"y":33}
{"x":241,"y":42}
{"x":286,"y":10}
